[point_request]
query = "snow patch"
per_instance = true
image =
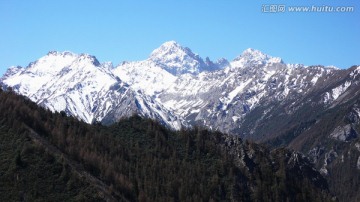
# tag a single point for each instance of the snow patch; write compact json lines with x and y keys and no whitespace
{"x":227,"y":100}
{"x":235,"y":118}
{"x":336,"y":92}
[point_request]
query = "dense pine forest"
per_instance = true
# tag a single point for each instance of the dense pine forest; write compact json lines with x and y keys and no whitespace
{"x":47,"y":156}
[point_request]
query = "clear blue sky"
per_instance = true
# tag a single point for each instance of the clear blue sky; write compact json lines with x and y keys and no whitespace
{"x":129,"y":30}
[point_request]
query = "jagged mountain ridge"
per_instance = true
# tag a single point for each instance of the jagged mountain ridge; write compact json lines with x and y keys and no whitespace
{"x":312,"y":109}
{"x":178,"y":60}
{"x":174,"y":85}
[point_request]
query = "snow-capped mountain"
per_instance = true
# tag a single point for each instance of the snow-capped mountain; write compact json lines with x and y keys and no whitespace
{"x":173,"y":85}
{"x":84,"y":88}
{"x":251,"y":57}
{"x":177,"y":60}
{"x":312,"y":109}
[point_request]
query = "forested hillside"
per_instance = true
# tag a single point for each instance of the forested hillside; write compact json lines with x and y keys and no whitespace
{"x":49,"y":156}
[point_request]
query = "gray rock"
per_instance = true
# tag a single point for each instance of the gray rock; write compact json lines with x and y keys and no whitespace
{"x":354,"y":115}
{"x":343,"y":133}
{"x":329,"y":157}
{"x":315,"y":153}
{"x":357,"y":145}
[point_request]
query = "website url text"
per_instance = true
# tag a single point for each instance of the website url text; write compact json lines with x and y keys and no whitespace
{"x":281,"y":8}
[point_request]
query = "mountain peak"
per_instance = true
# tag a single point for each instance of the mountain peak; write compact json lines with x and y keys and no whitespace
{"x":83,"y":57}
{"x":58,"y":53}
{"x":90,"y":58}
{"x":12,"y":71}
{"x":177,"y":59}
{"x":171,"y":44}
{"x":171,"y":48}
{"x":253,"y":56}
{"x":253,"y":52}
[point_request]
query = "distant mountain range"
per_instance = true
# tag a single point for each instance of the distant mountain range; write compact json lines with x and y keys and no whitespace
{"x":312,"y":109}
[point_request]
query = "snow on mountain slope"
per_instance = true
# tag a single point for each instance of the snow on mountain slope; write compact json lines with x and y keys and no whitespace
{"x":252,"y":57}
{"x":165,"y":65}
{"x":150,"y":77}
{"x":134,"y":102}
{"x":65,"y":82}
{"x":173,"y":85}
{"x":82,"y":87}
{"x":31,"y":79}
{"x":145,"y":76}
{"x":177,"y":60}
{"x":221,"y":99}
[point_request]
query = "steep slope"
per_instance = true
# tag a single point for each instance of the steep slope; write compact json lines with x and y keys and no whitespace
{"x":163,"y":67}
{"x":137,"y":160}
{"x":66,"y":82}
{"x":82,"y":87}
{"x":330,"y":92}
{"x":175,"y":87}
{"x":333,"y":141}
{"x":222,"y":99}
{"x":177,"y":60}
{"x":145,"y":76}
{"x":324,"y":124}
{"x":31,"y":169}
{"x":311,"y":109}
{"x":29,"y":172}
